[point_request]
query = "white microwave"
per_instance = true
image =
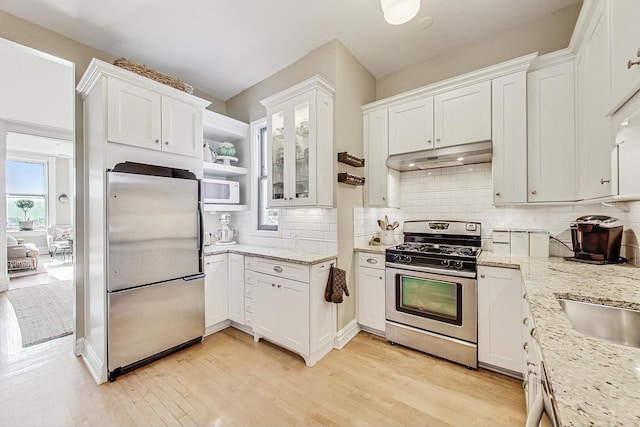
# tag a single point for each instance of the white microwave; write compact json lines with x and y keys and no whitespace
{"x":220,"y":191}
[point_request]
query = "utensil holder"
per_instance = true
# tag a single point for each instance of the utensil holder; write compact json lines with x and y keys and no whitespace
{"x":387,"y":238}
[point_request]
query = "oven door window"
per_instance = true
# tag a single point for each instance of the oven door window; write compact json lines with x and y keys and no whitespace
{"x":433,"y":299}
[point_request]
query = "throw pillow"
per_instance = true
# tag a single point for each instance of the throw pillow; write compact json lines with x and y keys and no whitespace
{"x":11,"y":241}
{"x":63,"y":234}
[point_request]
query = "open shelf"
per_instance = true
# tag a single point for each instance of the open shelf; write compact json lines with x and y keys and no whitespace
{"x":210,"y":207}
{"x":349,"y":178}
{"x":222,"y":169}
{"x":350,"y":159}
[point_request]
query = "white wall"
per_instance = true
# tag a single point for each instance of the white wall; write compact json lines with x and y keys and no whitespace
{"x":465,"y":193}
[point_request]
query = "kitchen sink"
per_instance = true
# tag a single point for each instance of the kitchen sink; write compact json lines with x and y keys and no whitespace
{"x":615,"y":324}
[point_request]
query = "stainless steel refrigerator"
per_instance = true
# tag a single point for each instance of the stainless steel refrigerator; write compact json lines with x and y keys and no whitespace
{"x":155,"y":283}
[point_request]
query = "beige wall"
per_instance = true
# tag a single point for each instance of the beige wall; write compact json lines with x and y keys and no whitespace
{"x":355,"y":86}
{"x":246,"y":105}
{"x":546,"y":34}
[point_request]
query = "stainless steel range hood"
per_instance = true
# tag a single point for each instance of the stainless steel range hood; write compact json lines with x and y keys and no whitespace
{"x":457,"y":155}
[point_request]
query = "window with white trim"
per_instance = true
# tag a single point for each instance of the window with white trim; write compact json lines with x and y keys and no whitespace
{"x":267,"y":218}
{"x":26,"y":180}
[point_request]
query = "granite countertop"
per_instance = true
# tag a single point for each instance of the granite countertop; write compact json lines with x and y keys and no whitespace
{"x":290,"y":255}
{"x":372,"y":249}
{"x":594,"y":382}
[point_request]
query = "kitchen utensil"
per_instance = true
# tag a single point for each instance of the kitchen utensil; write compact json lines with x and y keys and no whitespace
{"x":395,"y":225}
{"x":381,"y":224}
{"x":386,"y":222}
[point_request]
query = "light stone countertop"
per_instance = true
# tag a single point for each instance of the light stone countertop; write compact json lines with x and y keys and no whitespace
{"x":372,"y":249}
{"x":594,"y":382}
{"x":290,"y":255}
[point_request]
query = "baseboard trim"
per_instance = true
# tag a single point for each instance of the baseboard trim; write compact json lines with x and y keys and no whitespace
{"x":78,"y":349}
{"x":372,"y":331}
{"x":346,"y":334}
{"x":97,"y":368}
{"x":217,"y":327}
{"x":244,"y":328}
{"x":503,"y":371}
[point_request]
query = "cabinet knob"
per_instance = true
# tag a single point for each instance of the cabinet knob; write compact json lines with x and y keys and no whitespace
{"x":498,"y":194}
{"x":534,"y":192}
{"x":279,"y":286}
{"x":157,"y":141}
{"x":525,"y":346}
{"x":482,"y":276}
{"x":384,"y":198}
{"x":525,"y":321}
{"x":277,"y":269}
{"x":380,"y":277}
{"x":604,"y":181}
{"x":273,"y":285}
{"x":166,"y":143}
{"x":437,"y":139}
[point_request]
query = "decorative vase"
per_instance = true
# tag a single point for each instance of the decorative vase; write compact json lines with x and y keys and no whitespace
{"x":226,"y":149}
{"x":25,"y":225}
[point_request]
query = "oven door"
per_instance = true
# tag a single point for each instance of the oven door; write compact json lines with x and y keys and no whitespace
{"x":433,"y":302}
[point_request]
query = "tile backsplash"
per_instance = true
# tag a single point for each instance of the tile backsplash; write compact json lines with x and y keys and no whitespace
{"x":465,"y":193}
{"x":310,"y":229}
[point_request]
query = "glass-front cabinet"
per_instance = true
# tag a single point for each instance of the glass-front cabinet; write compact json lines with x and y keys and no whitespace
{"x":300,"y":129}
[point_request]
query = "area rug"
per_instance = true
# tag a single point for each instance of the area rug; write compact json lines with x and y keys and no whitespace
{"x":44,"y":312}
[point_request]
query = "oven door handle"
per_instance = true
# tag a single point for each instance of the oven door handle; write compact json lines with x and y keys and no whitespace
{"x":456,"y":273}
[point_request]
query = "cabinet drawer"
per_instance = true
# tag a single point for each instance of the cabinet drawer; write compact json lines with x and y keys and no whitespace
{"x":288,"y":270}
{"x":248,"y":306}
{"x":371,"y":260}
{"x":248,"y":290}
{"x":248,"y":319}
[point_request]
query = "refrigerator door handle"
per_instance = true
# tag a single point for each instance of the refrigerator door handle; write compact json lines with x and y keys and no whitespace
{"x":193,"y":277}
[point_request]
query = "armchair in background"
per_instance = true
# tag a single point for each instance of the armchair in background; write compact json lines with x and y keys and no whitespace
{"x":21,"y":256}
{"x":60,"y":240}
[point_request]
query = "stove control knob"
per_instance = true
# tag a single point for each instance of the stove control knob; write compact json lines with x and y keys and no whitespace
{"x":446,"y":263}
{"x":459,"y":265}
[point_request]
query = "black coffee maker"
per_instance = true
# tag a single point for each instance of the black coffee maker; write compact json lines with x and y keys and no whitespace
{"x":596,"y":239}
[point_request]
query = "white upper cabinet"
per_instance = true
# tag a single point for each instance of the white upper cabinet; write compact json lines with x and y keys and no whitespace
{"x":463,"y":115}
{"x":145,"y":118}
{"x":509,"y":128}
{"x":383,"y":184}
{"x":300,"y":145}
{"x":411,"y":126}
{"x":625,"y":47}
{"x":551,"y":147}
{"x":595,"y":143}
{"x":134,"y":115}
{"x":450,"y":118}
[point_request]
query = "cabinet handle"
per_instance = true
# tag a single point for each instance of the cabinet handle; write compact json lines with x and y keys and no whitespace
{"x":525,"y":385}
{"x":525,"y":321}
{"x":279,"y":286}
{"x":531,"y":364}
{"x":604,"y":181}
{"x":372,"y":261}
{"x":498,"y":194}
{"x":531,"y":372}
{"x":482,"y":276}
{"x":534,"y":192}
{"x":437,"y":139}
{"x":384,"y":198}
{"x":277,"y":269}
{"x":525,"y":346}
{"x":532,"y":332}
{"x":429,"y":141}
{"x":632,"y":63}
{"x":273,"y":285}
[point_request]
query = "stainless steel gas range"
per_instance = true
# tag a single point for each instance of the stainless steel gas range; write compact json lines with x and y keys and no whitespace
{"x":431,"y":289}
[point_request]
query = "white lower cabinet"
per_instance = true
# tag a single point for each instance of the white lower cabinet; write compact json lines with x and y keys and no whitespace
{"x":236,"y":289}
{"x":216,"y":292}
{"x":500,"y":319}
{"x":291,"y":313}
{"x":371,"y":295}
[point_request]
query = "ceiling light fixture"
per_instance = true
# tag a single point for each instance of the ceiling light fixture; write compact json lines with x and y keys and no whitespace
{"x":397,"y":12}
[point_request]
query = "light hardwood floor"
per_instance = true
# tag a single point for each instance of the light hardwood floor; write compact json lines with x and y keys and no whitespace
{"x":229,"y":380}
